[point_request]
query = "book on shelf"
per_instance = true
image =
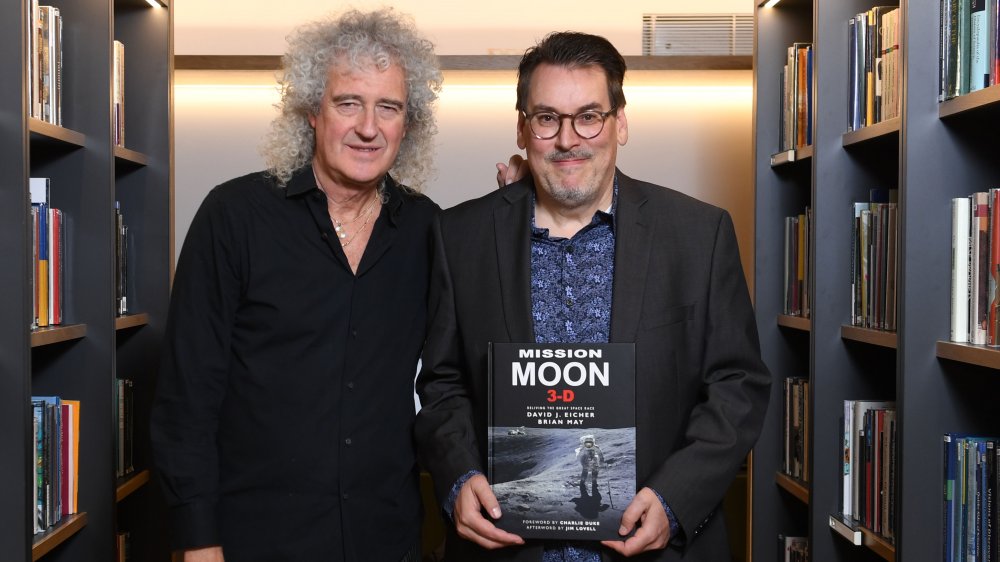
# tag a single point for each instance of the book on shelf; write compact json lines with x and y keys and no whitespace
{"x":562,"y":438}
{"x":793,"y":549}
{"x":796,"y":105}
{"x":122,"y":286}
{"x":118,"y":92}
{"x":798,"y":233}
{"x":45,"y":63}
{"x":874,"y":261}
{"x":70,"y":455}
{"x":795,"y":428}
{"x":975,"y":267}
{"x":970,"y":498}
{"x":873,"y":76}
{"x":869,"y":465}
{"x":961,"y":221}
{"x":56,"y":439}
{"x":48,"y":255}
{"x":124,"y":438}
{"x":979,"y":266}
{"x":969,"y":55}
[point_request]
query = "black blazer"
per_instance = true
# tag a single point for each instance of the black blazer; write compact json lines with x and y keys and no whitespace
{"x":679,"y":294}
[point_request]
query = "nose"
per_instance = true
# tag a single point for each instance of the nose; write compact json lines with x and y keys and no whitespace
{"x":367,"y":125}
{"x":566,"y":138}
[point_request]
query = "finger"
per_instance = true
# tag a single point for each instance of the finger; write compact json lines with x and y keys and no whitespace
{"x":632,"y":514}
{"x":480,"y":530}
{"x":516,"y":169}
{"x":617,"y":546}
{"x":502,"y":178}
{"x":484,"y":495}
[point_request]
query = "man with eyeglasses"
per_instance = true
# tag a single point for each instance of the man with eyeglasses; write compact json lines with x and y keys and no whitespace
{"x":577,"y":251}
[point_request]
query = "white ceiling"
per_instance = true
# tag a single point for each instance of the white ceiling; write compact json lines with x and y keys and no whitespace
{"x":259,"y":27}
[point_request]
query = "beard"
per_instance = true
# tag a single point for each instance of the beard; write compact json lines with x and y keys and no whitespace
{"x":572,"y":196}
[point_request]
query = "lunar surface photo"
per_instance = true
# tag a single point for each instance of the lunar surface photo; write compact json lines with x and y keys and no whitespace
{"x":543,"y":489}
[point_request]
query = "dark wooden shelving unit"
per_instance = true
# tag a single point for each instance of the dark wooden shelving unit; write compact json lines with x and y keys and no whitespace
{"x":130,"y":484}
{"x":793,"y":486}
{"x":880,"y":338}
{"x":794,"y":322}
{"x":57,"y":334}
{"x":70,"y":525}
{"x":80,"y":359}
{"x":935,"y":152}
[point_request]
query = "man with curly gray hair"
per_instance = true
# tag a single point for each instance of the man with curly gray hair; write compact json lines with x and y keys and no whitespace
{"x":282,"y":422}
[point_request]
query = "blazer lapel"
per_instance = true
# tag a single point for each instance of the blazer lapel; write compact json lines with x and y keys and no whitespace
{"x":512,"y":233}
{"x":633,"y":243}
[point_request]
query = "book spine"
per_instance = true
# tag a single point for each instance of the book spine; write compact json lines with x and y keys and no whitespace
{"x":960,"y":269}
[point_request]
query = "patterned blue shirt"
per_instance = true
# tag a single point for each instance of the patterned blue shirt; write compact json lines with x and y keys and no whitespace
{"x":571,"y":282}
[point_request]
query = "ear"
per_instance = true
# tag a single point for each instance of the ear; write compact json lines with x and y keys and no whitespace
{"x":521,"y":141}
{"x":312,"y":120}
{"x":622,"y":126}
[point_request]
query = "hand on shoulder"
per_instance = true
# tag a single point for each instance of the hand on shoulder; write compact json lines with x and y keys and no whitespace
{"x":515,"y":169}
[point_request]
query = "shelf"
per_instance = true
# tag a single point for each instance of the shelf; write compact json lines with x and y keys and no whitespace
{"x":123,"y":154}
{"x":881,"y":130}
{"x":789,"y":156}
{"x":878,"y":544}
{"x":867,"y":335}
{"x":987,"y":97}
{"x":131,"y":321}
{"x":56,"y":334}
{"x":793,"y":486}
{"x":44,"y":542}
{"x":859,"y":535}
{"x":846,"y":528}
{"x":40,"y":130}
{"x":471,"y":62}
{"x":131,"y":483}
{"x":795,"y":322}
{"x":968,"y":353}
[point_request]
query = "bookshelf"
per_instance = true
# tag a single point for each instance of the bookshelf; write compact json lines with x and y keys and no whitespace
{"x":80,"y":358}
{"x":932,"y":153}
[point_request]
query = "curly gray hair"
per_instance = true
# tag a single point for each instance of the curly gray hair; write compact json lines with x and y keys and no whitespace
{"x":357,"y":38}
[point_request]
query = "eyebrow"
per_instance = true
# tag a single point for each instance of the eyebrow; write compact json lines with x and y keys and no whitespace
{"x":582,"y":108}
{"x":381,"y":101}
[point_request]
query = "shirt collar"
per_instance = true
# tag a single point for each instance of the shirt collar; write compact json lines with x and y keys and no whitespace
{"x":303,"y":182}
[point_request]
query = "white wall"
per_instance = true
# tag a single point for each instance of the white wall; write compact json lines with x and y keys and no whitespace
{"x":690,"y":130}
{"x":457,"y":27}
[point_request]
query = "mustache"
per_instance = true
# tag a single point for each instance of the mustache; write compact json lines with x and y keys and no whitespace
{"x":558,"y":155}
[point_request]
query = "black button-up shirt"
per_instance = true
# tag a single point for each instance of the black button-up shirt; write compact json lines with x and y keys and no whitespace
{"x":282,"y":423}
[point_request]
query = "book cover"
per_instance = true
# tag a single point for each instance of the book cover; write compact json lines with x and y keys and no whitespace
{"x":794,"y":549}
{"x":562,"y":438}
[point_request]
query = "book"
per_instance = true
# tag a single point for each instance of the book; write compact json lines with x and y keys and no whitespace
{"x":994,"y":277}
{"x":562,"y":438}
{"x":960,"y":225}
{"x":70,"y":455}
{"x":793,"y":549}
{"x":979,"y":267}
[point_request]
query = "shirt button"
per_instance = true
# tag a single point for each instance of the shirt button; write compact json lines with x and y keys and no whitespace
{"x":569,"y":249}
{"x":347,"y":441}
{"x":569,"y":302}
{"x":324,"y":236}
{"x":354,"y":333}
{"x":350,"y":385}
{"x":344,"y":495}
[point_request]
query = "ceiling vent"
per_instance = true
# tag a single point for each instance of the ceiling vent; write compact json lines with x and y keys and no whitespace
{"x":697,"y":34}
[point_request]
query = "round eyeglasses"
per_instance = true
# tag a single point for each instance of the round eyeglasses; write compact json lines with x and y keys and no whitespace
{"x":588,"y":124}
